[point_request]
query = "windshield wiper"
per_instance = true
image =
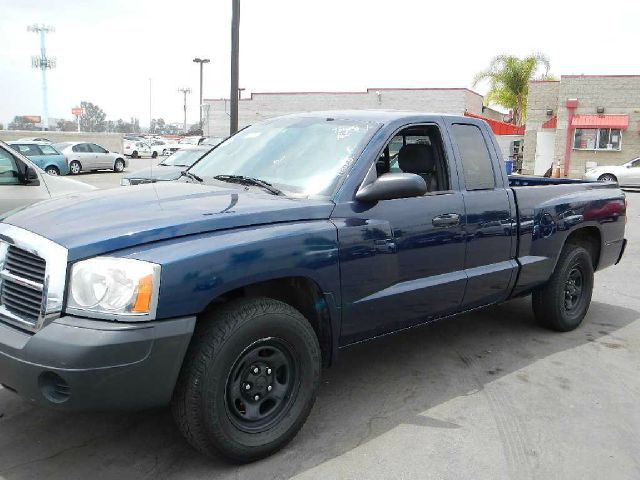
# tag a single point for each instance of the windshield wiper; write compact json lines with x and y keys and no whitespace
{"x":192,"y":176}
{"x":242,"y":180}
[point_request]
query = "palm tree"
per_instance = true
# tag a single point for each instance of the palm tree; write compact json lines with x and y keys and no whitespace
{"x":509,"y":78}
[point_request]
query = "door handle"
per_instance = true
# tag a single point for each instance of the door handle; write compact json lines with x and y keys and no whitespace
{"x":446,"y":220}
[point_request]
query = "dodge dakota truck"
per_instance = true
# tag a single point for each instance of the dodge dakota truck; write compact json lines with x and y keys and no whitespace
{"x":225,"y":293}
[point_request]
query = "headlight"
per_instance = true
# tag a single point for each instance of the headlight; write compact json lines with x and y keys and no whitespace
{"x":125,"y":181}
{"x":114,"y":286}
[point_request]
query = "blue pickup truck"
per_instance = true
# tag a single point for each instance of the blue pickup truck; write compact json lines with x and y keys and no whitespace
{"x":226,"y":292}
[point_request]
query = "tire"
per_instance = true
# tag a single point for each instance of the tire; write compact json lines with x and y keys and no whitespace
{"x":118,"y":167}
{"x":164,"y":153}
{"x":607,"y":177}
{"x":75,"y":168}
{"x":134,"y":154}
{"x":51,"y":170}
{"x":213,"y":403}
{"x":557,"y":305}
{"x":154,"y":154}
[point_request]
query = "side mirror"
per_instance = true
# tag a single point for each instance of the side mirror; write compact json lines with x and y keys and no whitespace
{"x":31,"y":176}
{"x":392,"y":185}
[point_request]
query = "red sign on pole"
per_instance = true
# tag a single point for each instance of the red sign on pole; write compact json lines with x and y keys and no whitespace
{"x":77,"y":111}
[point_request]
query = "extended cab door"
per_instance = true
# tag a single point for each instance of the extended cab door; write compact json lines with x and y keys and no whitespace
{"x":490,"y":217}
{"x":14,"y":192}
{"x":402,"y":260}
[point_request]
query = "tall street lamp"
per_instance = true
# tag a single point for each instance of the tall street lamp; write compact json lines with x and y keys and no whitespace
{"x":184,"y":91}
{"x":235,"y":53}
{"x":201,"y":61}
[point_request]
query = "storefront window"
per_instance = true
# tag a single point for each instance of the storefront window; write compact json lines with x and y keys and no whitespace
{"x":597,"y":139}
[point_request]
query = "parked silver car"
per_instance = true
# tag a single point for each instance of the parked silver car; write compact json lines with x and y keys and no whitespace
{"x":23,"y":183}
{"x":626,"y":175}
{"x":85,"y":157}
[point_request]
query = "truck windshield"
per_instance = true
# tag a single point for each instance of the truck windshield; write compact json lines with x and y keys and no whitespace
{"x":301,"y":156}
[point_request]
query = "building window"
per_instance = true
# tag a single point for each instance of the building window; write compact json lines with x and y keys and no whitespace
{"x":597,"y":139}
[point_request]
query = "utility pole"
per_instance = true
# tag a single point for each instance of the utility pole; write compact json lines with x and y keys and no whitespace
{"x":201,"y":61}
{"x":43,"y":63}
{"x":184,"y":91}
{"x":235,"y":55}
{"x":150,"y":117}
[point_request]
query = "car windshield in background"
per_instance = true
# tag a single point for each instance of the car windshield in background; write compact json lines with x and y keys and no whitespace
{"x":184,"y":158}
{"x":303,"y":156}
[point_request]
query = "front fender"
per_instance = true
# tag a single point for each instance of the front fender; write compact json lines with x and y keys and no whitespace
{"x":199,"y":268}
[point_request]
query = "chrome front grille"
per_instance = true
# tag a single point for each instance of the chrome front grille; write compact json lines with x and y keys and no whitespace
{"x":21,"y":291}
{"x":32,"y":278}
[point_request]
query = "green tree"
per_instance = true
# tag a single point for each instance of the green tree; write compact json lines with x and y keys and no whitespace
{"x":67,"y":125}
{"x":509,"y":78}
{"x":92,"y":118}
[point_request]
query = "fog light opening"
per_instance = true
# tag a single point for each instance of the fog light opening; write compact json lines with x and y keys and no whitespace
{"x":53,"y":387}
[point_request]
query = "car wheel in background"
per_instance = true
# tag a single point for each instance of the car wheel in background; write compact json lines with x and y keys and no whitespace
{"x":154,"y":154}
{"x":118,"y":166}
{"x":134,"y":154}
{"x":75,"y":167}
{"x":51,"y":170}
{"x":607,"y":177}
{"x":165,"y":153}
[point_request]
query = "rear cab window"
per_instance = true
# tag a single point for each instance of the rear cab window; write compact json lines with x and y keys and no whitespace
{"x":477,"y":165}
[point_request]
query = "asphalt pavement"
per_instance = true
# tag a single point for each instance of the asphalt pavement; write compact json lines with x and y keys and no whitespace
{"x":486,"y":395}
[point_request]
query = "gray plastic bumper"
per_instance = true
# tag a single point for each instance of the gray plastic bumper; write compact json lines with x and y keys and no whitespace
{"x":81,"y":364}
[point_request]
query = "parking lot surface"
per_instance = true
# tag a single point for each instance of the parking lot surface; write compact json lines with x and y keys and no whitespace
{"x":110,"y":179}
{"x":486,"y":395}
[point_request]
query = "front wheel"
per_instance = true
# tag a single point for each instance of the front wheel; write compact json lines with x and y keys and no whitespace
{"x":154,"y":154}
{"x":563,"y":302}
{"x":134,"y":154}
{"x":249,"y":380}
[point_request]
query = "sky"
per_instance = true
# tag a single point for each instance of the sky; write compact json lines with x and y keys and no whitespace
{"x":107,"y":51}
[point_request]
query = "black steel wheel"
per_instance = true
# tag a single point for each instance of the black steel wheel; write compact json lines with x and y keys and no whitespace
{"x":249,"y":379}
{"x":262,"y":385}
{"x":563,"y":302}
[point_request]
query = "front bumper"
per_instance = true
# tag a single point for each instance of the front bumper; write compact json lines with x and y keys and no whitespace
{"x":79,"y":364}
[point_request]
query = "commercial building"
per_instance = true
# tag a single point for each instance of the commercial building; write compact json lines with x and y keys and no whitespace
{"x":260,"y":106}
{"x":582,"y":121}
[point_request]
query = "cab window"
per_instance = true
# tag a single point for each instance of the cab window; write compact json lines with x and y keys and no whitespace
{"x":9,"y":173}
{"x":417,"y":149}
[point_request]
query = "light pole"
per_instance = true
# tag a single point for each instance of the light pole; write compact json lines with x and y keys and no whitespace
{"x":184,"y":91}
{"x":235,"y":53}
{"x":201,"y":61}
{"x":43,"y":63}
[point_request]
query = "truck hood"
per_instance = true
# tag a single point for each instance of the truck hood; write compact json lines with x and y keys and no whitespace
{"x":95,"y":223}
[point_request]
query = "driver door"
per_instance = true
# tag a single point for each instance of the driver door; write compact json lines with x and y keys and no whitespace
{"x":102,"y":156}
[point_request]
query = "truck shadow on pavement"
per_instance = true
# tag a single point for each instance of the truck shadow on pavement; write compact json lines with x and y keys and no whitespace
{"x":372,"y":389}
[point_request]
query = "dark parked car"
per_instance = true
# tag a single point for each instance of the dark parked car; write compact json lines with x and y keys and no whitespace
{"x":170,"y":168}
{"x":225,"y":293}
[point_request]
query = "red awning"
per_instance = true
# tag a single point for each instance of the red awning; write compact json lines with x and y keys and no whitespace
{"x":600,"y":121}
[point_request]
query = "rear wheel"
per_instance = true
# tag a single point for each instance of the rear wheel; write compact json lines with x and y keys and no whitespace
{"x":249,"y":380}
{"x":154,"y":154}
{"x":608,"y":177}
{"x":564,"y":301}
{"x":75,"y":167}
{"x":118,"y":166}
{"x":51,"y":170}
{"x":134,"y":154}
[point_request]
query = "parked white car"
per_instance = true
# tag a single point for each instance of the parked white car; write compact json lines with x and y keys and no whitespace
{"x":23,"y":183}
{"x":86,"y":157}
{"x":145,"y":148}
{"x":626,"y":175}
{"x":174,"y":147}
